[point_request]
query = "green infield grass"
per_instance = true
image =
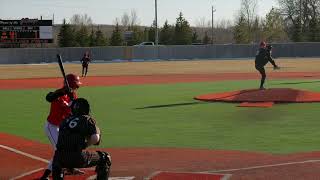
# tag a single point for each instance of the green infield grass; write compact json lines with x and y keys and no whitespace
{"x":166,"y":115}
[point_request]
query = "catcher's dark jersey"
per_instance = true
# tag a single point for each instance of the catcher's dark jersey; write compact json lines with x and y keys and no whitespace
{"x":74,"y":131}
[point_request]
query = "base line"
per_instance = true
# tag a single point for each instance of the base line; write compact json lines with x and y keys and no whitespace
{"x":26,"y":174}
{"x":264,"y":166}
{"x":24,"y":154}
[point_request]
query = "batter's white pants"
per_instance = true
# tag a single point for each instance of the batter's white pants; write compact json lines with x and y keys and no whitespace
{"x":52,"y":131}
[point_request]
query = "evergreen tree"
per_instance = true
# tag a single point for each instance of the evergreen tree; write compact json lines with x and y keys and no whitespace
{"x":116,"y":37}
{"x":66,"y":36}
{"x":92,"y":38}
{"x":166,"y":34}
{"x":151,"y":34}
{"x":137,"y":36}
{"x":274,"y":27}
{"x":82,"y":37}
{"x":206,"y":38}
{"x":314,"y":34}
{"x":240,"y":31}
{"x":183,"y":32}
{"x":256,"y":31}
{"x":146,"y":34}
{"x":100,"y":39}
{"x":195,"y":37}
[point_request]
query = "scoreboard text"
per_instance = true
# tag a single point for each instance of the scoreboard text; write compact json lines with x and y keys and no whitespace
{"x":26,"y":31}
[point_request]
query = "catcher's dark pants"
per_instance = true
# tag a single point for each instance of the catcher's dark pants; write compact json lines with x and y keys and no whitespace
{"x":84,"y":69}
{"x":84,"y":159}
{"x":262,"y":71}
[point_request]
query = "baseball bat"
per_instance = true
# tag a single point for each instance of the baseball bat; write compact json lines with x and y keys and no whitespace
{"x":63,"y":72}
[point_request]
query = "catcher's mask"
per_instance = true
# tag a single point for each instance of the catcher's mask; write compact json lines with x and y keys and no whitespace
{"x":80,"y":106}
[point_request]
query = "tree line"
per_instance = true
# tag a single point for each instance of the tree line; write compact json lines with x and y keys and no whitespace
{"x":77,"y":33}
{"x":292,"y":21}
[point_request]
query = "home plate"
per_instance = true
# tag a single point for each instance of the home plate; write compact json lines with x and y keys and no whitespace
{"x":112,"y":178}
{"x":188,"y":176}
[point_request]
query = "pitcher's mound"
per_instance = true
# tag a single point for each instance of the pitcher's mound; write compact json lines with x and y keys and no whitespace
{"x":276,"y":95}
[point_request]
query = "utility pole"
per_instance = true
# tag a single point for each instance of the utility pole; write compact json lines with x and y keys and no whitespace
{"x":156,"y":23}
{"x":212,"y":11}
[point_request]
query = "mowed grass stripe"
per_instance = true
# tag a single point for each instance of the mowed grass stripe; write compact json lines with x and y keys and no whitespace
{"x":167,"y":116}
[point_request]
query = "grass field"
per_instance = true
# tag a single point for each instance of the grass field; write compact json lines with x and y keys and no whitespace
{"x":167,"y":116}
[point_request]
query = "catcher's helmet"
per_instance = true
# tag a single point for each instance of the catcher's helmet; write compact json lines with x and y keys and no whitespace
{"x":262,"y":44}
{"x":80,"y":106}
{"x":73,"y":81}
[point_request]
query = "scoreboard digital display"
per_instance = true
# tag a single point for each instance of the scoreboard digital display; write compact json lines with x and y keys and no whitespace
{"x":26,"y":31}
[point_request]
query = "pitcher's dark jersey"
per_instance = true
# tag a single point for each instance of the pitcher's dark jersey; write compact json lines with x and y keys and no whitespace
{"x":74,"y":131}
{"x":261,"y":57}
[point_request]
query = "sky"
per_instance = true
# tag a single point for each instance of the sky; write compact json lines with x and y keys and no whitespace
{"x":106,"y":11}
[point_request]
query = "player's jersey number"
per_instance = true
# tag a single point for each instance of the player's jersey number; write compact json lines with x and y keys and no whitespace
{"x":73,"y":122}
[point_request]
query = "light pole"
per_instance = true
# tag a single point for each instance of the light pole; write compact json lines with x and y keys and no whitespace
{"x":156,"y":23}
{"x":212,"y":11}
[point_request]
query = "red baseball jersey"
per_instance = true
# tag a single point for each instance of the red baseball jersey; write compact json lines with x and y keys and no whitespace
{"x":60,"y":109}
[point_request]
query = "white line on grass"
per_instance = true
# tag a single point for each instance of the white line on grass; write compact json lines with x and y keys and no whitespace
{"x":264,"y":166}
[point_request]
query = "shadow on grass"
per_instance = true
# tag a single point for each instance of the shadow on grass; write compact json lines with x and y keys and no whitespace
{"x":173,"y":105}
{"x":301,"y":82}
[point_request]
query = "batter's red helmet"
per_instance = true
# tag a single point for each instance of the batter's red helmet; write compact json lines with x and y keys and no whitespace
{"x":73,"y":80}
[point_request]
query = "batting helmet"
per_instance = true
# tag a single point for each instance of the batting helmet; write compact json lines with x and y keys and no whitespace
{"x":73,"y":81}
{"x":80,"y":106}
{"x":262,"y":44}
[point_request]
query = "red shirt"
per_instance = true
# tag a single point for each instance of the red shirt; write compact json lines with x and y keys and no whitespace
{"x":60,"y":109}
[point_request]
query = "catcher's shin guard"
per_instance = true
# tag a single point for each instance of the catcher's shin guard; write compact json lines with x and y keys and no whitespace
{"x":104,"y":165}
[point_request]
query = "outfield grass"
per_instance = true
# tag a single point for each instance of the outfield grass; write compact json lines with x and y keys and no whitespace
{"x":167,"y":116}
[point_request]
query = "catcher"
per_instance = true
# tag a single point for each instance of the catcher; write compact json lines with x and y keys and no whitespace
{"x":77,"y":132}
{"x":263,"y":56}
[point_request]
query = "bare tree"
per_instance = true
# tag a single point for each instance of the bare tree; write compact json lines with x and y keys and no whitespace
{"x":302,"y":19}
{"x":129,"y":21}
{"x":125,"y":20}
{"x":248,"y":9}
{"x":134,"y":20}
{"x":201,"y":23}
{"x":201,"y":27}
{"x":116,"y":21}
{"x":81,"y":19}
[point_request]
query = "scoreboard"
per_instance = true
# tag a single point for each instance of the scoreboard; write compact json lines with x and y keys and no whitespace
{"x":26,"y":31}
